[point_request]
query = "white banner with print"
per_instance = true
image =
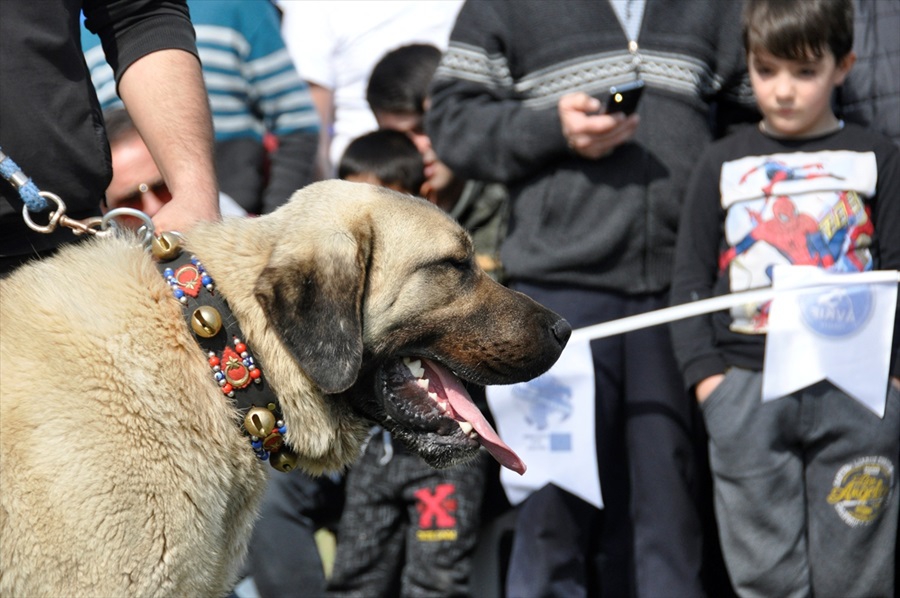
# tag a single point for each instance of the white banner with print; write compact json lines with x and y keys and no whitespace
{"x":830,"y":326}
{"x":549,"y":422}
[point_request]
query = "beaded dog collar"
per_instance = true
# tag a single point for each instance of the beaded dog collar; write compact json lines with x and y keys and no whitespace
{"x":232,"y":365}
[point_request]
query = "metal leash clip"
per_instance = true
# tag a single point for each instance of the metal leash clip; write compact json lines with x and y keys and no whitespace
{"x":38,"y":201}
{"x":58,"y":217}
{"x":95,"y":225}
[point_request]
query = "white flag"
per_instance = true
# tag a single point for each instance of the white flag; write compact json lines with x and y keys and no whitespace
{"x":549,"y":422}
{"x":830,"y":326}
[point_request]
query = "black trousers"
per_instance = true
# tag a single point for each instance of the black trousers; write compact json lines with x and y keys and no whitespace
{"x":648,"y":540}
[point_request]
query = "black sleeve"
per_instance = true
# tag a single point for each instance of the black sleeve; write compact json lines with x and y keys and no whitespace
{"x":478,"y":125}
{"x":886,"y":220}
{"x":697,"y":270}
{"x":131,"y":29}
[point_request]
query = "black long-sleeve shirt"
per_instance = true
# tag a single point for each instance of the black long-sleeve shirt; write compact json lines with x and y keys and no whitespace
{"x":50,"y":120}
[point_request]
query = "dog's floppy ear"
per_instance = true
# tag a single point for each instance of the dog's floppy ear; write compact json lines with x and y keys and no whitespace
{"x":314,"y":303}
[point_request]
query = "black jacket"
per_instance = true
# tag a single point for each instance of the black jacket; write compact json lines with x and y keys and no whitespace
{"x":50,"y":120}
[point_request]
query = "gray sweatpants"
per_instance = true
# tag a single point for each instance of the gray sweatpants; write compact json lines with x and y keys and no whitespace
{"x":805,"y":489}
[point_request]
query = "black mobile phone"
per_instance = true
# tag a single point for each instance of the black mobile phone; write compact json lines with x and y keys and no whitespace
{"x":624,"y":98}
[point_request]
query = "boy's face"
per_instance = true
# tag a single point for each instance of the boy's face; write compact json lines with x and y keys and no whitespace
{"x":437,"y":175}
{"x":794,"y":96}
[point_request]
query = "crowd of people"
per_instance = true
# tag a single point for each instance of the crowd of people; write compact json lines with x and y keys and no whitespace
{"x":752,"y":115}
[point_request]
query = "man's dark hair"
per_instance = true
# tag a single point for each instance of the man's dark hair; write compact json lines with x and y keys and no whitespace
{"x":799,"y":29}
{"x":388,"y":155}
{"x":399,"y":82}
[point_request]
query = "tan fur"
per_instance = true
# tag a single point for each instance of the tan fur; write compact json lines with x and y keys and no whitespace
{"x":122,"y":469}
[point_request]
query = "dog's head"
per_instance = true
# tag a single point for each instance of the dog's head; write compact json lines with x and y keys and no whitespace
{"x":377,"y":297}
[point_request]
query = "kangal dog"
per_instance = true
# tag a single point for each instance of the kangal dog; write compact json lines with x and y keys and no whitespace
{"x":135,"y":422}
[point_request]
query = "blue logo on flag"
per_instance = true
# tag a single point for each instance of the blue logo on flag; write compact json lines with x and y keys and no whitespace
{"x":545,"y":398}
{"x":838,"y":311}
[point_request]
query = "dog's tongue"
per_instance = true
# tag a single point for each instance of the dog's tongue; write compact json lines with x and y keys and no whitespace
{"x":465,"y":410}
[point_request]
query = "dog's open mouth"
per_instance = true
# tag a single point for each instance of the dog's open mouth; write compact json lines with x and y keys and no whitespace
{"x":425,"y":397}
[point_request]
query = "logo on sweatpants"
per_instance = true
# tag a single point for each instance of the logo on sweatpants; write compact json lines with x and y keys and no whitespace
{"x":862,"y":489}
{"x":437,"y":513}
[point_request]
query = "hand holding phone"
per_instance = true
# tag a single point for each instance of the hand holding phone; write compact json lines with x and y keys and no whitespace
{"x":588,"y":136}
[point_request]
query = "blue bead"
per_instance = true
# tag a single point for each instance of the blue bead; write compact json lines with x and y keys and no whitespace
{"x":206,"y":280}
{"x":168,"y":272}
{"x":282,"y":430}
{"x":178,"y":293}
{"x":219,"y":376}
{"x":257,"y":444}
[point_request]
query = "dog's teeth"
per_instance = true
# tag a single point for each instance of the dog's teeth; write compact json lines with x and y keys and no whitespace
{"x":433,"y":396}
{"x":466,"y":427}
{"x":423,"y":383}
{"x":414,"y":366}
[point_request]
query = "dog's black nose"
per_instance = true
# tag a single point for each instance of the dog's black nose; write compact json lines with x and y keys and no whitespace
{"x":562,"y":331}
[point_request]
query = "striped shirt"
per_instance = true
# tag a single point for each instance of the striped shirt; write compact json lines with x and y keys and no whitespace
{"x":253,"y":85}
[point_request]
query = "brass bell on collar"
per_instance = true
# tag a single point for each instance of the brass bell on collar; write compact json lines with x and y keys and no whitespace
{"x":166,"y":246}
{"x":284,"y":460}
{"x":259,"y":422}
{"x":206,"y":321}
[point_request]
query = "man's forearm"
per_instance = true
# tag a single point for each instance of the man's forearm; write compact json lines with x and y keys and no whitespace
{"x":165,"y":96}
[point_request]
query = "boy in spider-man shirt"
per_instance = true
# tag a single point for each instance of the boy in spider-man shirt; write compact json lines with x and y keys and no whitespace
{"x":833,"y":201}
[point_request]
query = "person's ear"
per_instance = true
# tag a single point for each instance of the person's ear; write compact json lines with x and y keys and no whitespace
{"x":843,"y":67}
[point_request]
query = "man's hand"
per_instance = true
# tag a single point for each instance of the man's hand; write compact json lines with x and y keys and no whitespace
{"x":590,"y":134}
{"x":182,"y":212}
{"x":706,"y":387}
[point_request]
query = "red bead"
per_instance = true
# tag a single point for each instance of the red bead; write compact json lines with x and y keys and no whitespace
{"x":213,"y":361}
{"x":227,"y":388}
{"x":255,"y":373}
{"x":240,"y":348}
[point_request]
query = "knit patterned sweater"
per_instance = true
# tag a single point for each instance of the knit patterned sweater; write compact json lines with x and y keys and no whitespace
{"x":611,"y":223}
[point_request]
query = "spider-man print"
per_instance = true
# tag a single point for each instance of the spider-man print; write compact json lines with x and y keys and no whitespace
{"x":778,"y":171}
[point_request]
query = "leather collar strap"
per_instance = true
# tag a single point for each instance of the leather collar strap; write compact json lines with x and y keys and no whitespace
{"x":234,"y":368}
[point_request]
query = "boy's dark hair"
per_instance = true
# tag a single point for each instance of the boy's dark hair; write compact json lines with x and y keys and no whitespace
{"x":799,"y":29}
{"x":389,"y":155}
{"x":400,"y":80}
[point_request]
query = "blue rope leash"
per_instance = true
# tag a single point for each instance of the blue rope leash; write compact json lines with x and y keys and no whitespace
{"x":28,"y":191}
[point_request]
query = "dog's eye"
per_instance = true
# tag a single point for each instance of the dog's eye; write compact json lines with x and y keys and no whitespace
{"x":463,"y":265}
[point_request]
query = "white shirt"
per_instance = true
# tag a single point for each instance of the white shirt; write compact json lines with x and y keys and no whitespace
{"x":630,"y":13}
{"x":336,"y":45}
